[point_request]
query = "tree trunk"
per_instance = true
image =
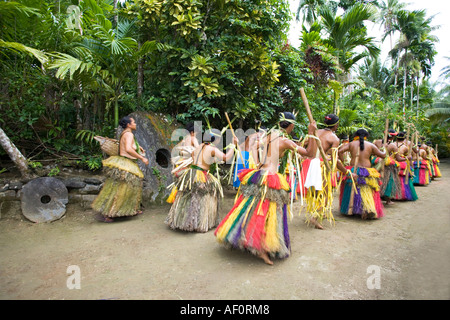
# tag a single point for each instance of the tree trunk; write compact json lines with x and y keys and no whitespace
{"x":404,"y":87}
{"x":15,"y":155}
{"x":116,"y":17}
{"x":418,"y":95}
{"x":412,"y":93}
{"x":77,"y":107}
{"x":140,"y":79}
{"x":396,"y":72}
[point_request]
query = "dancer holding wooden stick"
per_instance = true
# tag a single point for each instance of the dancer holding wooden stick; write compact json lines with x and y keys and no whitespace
{"x":258,"y":221}
{"x":196,"y":203}
{"x":321,"y":175}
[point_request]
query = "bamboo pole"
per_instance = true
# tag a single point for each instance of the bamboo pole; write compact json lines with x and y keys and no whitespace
{"x":311,"y":119}
{"x":408,"y":165}
{"x":232,"y":131}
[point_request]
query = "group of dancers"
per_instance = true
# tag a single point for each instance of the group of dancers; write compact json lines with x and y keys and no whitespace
{"x":272,"y":169}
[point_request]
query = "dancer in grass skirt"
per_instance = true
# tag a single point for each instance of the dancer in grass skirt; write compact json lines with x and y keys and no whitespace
{"x":258,"y":221}
{"x":390,"y":179}
{"x":434,"y":162}
{"x":361,"y":196}
{"x":196,"y":191}
{"x":422,"y":169}
{"x":406,"y":191}
{"x":121,"y":193}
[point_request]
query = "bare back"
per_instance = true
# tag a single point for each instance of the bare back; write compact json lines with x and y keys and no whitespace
{"x":274,"y":148}
{"x":364,"y":155}
{"x":328,"y":140}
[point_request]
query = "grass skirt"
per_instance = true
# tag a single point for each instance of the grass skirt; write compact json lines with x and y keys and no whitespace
{"x":366,"y":198}
{"x":258,"y":220}
{"x":320,"y":185}
{"x":407,"y":190}
{"x":422,"y":173}
{"x":195,"y":205}
{"x":121,"y":193}
{"x":391,"y":181}
{"x":435,"y":167}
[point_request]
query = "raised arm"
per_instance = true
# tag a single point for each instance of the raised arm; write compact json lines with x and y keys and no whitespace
{"x":312,"y":144}
{"x":216,"y":153}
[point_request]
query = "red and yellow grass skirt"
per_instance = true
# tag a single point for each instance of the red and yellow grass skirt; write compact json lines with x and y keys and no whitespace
{"x":258,"y":220}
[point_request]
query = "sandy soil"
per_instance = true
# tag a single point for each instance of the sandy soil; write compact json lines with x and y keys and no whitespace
{"x":140,"y":258}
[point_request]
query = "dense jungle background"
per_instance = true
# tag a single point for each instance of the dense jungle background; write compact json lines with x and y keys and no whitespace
{"x":70,"y":69}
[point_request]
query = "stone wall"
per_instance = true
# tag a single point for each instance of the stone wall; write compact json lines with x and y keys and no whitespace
{"x":81,"y":190}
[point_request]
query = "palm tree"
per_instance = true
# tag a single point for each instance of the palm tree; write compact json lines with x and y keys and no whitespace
{"x":440,"y":110}
{"x":388,"y":15}
{"x":347,"y":36}
{"x":11,"y":12}
{"x":445,"y":72}
{"x":309,"y":10}
{"x":110,"y":53}
{"x":376,"y":75}
{"x":415,"y":30}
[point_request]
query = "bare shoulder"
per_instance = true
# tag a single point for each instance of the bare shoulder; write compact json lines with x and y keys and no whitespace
{"x":127,"y":135}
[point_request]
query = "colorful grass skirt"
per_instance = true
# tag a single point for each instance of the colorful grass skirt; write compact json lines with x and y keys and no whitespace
{"x":407,"y":190}
{"x":390,"y":180}
{"x":436,"y":172}
{"x":366,"y":198}
{"x":258,"y":221}
{"x":422,"y":172}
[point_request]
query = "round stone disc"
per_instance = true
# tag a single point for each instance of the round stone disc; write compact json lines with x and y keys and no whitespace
{"x":44,"y":199}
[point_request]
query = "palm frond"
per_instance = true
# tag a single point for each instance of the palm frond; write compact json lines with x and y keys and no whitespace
{"x":18,"y":47}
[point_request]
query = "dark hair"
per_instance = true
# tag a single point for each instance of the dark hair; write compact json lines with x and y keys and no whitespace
{"x":344,"y":136}
{"x":287,"y":115}
{"x":211,"y":135}
{"x":125,"y":121}
{"x":331,"y":120}
{"x":361,"y":133}
{"x":401,"y":135}
{"x":190,"y":127}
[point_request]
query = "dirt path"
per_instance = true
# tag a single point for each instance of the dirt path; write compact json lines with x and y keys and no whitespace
{"x":140,"y":258}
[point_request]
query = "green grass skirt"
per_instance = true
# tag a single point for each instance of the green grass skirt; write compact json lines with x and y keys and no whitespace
{"x":121,"y":193}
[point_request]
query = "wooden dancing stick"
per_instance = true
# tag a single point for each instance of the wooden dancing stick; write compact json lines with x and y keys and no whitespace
{"x":386,"y":128}
{"x":232,"y":131}
{"x":311,"y":119}
{"x":352,"y":194}
{"x":417,"y":139}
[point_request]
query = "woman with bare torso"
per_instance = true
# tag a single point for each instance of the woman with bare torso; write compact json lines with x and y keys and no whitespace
{"x":121,"y":193}
{"x":365,"y":201}
{"x":404,"y":157}
{"x":258,"y":220}
{"x":196,"y":204}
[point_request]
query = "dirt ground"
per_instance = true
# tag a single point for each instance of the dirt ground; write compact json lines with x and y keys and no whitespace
{"x":405,"y":255}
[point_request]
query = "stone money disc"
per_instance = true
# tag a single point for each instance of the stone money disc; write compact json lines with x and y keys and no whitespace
{"x":44,"y":199}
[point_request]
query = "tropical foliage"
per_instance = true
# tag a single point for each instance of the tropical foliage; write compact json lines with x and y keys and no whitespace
{"x":75,"y":67}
